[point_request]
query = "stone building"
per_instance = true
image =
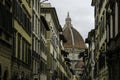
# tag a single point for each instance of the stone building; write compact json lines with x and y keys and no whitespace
{"x":101,"y":67}
{"x":113,"y":39}
{"x":57,"y":67}
{"x":49,"y":13}
{"x":90,"y":61}
{"x":15,"y":38}
{"x":74,"y":45}
{"x":31,"y":45}
{"x":36,"y":37}
{"x":5,"y":39}
{"x":107,"y":39}
{"x":21,"y":56}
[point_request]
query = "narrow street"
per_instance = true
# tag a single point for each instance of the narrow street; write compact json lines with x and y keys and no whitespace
{"x":59,"y":40}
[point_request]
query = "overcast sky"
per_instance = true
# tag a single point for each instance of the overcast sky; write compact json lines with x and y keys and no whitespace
{"x":81,"y":13}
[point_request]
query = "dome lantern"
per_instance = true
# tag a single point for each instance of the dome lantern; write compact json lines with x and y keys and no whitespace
{"x":68,"y":19}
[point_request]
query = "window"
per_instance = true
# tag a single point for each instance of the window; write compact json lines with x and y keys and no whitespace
{"x":26,"y":53}
{"x":41,"y":46}
{"x":33,"y":66}
{"x":39,"y":28}
{"x":19,"y":46}
{"x":14,"y":43}
{"x":29,"y":55}
{"x":101,"y":62}
{"x":34,"y":23}
{"x":23,"y":49}
{"x":43,"y":66}
{"x":108,"y":33}
{"x":34,"y":43}
{"x":35,"y":26}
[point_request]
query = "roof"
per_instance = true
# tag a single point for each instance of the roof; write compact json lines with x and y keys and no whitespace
{"x":73,"y":37}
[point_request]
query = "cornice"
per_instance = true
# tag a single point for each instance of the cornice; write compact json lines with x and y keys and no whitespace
{"x":53,"y":13}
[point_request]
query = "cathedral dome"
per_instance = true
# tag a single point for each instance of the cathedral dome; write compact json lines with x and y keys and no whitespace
{"x":73,"y":37}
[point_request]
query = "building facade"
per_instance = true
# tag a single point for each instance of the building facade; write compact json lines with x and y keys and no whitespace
{"x":47,"y":12}
{"x":31,"y":42}
{"x":106,"y":39}
{"x":5,"y":39}
{"x":15,"y":40}
{"x":21,"y":57}
{"x":101,"y":68}
{"x":90,"y":61}
{"x":113,"y":39}
{"x":36,"y":39}
{"x":57,"y":68}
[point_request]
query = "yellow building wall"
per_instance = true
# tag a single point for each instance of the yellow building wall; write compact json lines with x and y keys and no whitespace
{"x":19,"y":28}
{"x":27,"y":7}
